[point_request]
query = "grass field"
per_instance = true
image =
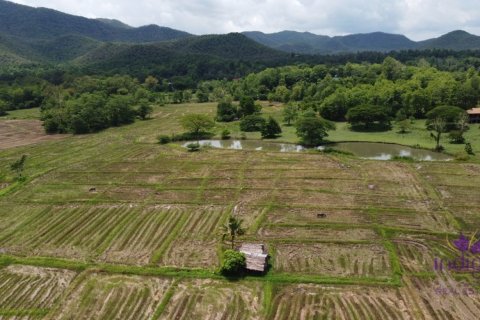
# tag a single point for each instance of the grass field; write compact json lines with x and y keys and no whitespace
{"x":115,"y":226}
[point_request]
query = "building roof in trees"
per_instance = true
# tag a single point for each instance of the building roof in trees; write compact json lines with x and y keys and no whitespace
{"x":256,"y":256}
{"x":475,"y":111}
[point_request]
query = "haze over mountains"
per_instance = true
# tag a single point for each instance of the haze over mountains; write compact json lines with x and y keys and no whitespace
{"x":44,"y":35}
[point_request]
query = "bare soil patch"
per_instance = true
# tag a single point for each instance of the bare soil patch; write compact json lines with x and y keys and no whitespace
{"x":15,"y":133}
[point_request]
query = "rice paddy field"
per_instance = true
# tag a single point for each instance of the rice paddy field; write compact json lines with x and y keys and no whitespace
{"x":115,"y":226}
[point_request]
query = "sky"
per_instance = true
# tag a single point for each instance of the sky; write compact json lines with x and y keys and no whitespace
{"x":417,"y":19}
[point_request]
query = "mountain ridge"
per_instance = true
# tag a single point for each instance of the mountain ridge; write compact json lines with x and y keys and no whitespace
{"x":43,"y":23}
{"x":42,"y":35}
{"x":310,"y":43}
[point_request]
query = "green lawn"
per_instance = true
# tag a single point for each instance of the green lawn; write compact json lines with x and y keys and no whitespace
{"x":23,"y":114}
{"x":418,"y":135}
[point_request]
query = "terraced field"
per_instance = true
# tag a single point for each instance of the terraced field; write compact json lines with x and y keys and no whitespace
{"x":114,"y":297}
{"x":115,"y":226}
{"x":31,"y":290}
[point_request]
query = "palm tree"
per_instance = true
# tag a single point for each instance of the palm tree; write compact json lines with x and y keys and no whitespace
{"x":233,"y":229}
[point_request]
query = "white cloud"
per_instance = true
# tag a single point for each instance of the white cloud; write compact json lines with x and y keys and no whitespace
{"x":418,"y":19}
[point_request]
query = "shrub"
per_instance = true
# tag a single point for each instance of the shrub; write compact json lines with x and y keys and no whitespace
{"x":233,"y":263}
{"x":252,"y":123}
{"x":192,"y":147}
{"x":271,"y":129}
{"x":164,"y":139}
{"x":456,"y":136}
{"x":225,"y":134}
{"x":468,"y":149}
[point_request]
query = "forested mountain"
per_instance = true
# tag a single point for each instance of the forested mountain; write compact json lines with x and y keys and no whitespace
{"x":41,"y":23}
{"x":45,"y":37}
{"x":309,"y":43}
{"x":115,"y":23}
{"x":188,"y":60}
{"x":455,"y":40}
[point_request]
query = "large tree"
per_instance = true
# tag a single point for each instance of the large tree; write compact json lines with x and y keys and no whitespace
{"x":247,"y":106}
{"x":449,"y":114}
{"x":368,"y":117}
{"x":196,"y":124}
{"x":226,"y":111}
{"x":312,"y":129}
{"x":290,"y":114}
{"x":271,"y":129}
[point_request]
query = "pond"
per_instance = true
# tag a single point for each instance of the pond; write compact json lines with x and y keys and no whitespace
{"x":366,"y":150}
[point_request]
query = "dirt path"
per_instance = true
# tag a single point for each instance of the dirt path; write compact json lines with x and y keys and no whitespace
{"x":14,"y":133}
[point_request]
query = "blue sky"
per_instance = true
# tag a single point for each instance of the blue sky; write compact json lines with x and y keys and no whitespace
{"x":417,"y":19}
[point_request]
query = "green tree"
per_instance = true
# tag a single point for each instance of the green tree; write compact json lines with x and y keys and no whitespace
{"x":271,"y":129}
{"x":18,"y":167}
{"x":233,"y":263}
{"x":469,"y":149}
{"x":119,"y":110}
{"x":368,"y":117}
{"x":404,"y":126}
{"x":226,"y":111}
{"x":151,"y":83}
{"x":232,"y":230}
{"x":391,"y":68}
{"x":3,"y":108}
{"x":225,"y":134}
{"x":437,"y":126}
{"x":252,"y":123}
{"x":144,"y":109}
{"x":290,"y":114}
{"x":448,"y":114}
{"x":202,"y":96}
{"x":312,"y":129}
{"x":196,"y":124}
{"x":247,"y":106}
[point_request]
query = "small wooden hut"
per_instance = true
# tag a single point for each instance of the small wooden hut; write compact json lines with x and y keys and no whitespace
{"x":256,"y":256}
{"x":474,"y":115}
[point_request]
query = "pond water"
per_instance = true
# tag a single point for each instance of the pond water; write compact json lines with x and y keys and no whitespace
{"x":366,"y":150}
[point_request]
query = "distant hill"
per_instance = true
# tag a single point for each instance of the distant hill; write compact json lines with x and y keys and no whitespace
{"x":455,"y":40}
{"x":228,"y":46}
{"x":203,"y":54}
{"x":41,"y":23}
{"x":115,"y":23}
{"x":40,"y":35}
{"x":309,"y":43}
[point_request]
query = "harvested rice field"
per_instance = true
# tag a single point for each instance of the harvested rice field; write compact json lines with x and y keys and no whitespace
{"x":116,"y":226}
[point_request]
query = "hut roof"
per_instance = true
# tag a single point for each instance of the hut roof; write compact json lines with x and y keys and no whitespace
{"x":474,"y":111}
{"x":256,"y":256}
